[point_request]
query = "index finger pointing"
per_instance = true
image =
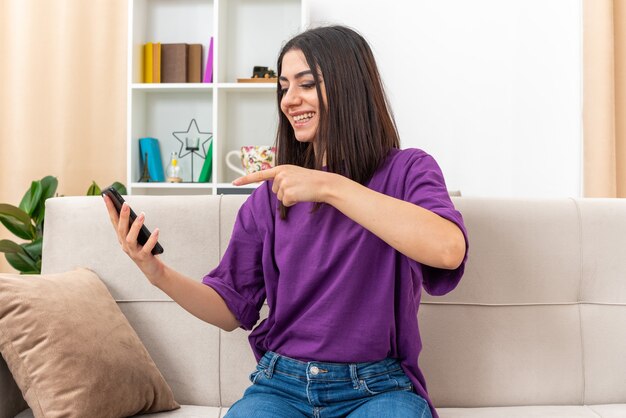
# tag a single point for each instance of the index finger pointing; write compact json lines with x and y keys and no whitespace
{"x":256,"y":177}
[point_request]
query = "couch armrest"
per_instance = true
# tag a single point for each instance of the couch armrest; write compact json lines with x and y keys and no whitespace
{"x":11,"y":400}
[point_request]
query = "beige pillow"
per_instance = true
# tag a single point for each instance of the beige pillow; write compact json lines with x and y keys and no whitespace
{"x":71,"y":350}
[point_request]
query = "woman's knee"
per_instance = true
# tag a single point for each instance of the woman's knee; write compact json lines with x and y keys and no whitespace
{"x":262,"y":406}
{"x":398,"y":403}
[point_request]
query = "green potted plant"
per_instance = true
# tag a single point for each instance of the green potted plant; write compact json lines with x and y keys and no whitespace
{"x":26,"y":221}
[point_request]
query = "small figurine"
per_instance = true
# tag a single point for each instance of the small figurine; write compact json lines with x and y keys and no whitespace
{"x":145,"y":175}
{"x":263,"y":72}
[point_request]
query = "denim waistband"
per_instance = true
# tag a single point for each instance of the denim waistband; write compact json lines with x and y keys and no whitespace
{"x":315,"y":370}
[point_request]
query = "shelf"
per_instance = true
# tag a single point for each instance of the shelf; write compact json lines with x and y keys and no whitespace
{"x":245,"y":34}
{"x":231,"y":186}
{"x":186,"y":87}
{"x":269,"y":87}
{"x":172,"y":87}
{"x":163,"y":185}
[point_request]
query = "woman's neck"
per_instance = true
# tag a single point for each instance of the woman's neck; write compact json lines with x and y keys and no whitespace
{"x":315,"y":151}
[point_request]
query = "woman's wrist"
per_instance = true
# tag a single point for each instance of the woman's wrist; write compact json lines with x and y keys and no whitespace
{"x":333,"y":188}
{"x":157,"y":274}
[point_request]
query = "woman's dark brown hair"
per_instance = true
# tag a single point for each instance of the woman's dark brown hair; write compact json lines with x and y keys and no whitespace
{"x":356,"y":130}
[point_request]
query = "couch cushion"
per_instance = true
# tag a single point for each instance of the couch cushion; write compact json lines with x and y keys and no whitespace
{"x":603,"y":292}
{"x":521,"y":251}
{"x":610,"y":411}
{"x":511,"y":355}
{"x":184,"y":348}
{"x":236,"y":362}
{"x":71,"y":350}
{"x":189,"y":231}
{"x":520,"y":412}
{"x":188,"y":411}
{"x":603,"y":241}
{"x":185,"y":411}
{"x":604,"y":347}
{"x":537,"y":317}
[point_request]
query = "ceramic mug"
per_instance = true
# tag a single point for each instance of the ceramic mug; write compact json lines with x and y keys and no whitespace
{"x":252,"y":158}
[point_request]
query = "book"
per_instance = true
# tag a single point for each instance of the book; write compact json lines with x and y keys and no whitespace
{"x":194,"y":64}
{"x":207,"y":167}
{"x":208,"y":69}
{"x":151,"y":155}
{"x":174,"y":63}
{"x":156,"y":62}
{"x":147,"y":62}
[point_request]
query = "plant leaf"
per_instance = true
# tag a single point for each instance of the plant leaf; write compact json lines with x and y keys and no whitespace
{"x":18,"y":258}
{"x":31,"y":197}
{"x":22,"y":263}
{"x":17,"y":221}
{"x":34,"y":248}
{"x":94,"y":189}
{"x":16,"y":228}
{"x":14,"y":212}
{"x":121,"y":189}
{"x":7,"y":246}
{"x":49,"y":186}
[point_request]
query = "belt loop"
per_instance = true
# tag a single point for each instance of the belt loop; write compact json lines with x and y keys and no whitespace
{"x":270,"y":369}
{"x":354,"y":376}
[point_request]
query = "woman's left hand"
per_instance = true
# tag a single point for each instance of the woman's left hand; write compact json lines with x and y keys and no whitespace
{"x":292,"y":184}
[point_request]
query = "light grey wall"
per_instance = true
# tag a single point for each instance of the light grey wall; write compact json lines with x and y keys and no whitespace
{"x":491,"y":88}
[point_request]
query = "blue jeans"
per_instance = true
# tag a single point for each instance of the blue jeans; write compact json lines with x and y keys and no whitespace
{"x":289,"y":388}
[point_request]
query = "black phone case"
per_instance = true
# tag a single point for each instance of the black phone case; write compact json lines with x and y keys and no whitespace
{"x":144,"y":233}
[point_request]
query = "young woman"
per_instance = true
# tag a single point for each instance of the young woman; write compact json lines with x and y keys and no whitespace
{"x":339,"y":241}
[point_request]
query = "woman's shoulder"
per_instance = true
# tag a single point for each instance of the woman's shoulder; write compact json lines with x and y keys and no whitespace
{"x":409,"y":165}
{"x":407,"y":157}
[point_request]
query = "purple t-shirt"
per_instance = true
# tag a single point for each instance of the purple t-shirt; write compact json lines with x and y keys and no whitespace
{"x":336,"y":292}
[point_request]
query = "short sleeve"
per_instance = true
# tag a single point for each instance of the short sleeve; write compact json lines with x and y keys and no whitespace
{"x":239,"y":276}
{"x":426,"y":187}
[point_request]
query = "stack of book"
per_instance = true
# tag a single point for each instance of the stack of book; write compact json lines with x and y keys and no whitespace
{"x":176,"y":63}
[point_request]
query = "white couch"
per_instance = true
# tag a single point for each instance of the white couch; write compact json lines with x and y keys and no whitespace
{"x":537,"y":327}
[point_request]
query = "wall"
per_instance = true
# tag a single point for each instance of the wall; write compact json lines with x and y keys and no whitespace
{"x":491,"y":88}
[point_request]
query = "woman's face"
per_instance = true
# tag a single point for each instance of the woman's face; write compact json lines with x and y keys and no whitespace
{"x":299,"y":102}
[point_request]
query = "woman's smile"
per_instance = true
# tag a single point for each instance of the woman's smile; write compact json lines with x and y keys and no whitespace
{"x":300,"y":120}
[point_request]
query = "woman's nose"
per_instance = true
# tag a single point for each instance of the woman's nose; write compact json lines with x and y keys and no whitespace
{"x":291,"y":97}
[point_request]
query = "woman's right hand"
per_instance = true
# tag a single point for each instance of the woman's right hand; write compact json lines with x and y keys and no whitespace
{"x":195,"y":297}
{"x":149,"y":264}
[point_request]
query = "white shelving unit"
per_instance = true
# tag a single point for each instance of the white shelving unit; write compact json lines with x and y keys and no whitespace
{"x":245,"y":33}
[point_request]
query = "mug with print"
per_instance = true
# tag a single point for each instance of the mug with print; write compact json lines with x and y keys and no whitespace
{"x":252,"y":158}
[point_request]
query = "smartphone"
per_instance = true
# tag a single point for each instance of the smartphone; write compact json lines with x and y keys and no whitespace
{"x":144,"y":233}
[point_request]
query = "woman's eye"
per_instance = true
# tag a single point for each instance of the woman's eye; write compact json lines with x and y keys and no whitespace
{"x":307,"y":86}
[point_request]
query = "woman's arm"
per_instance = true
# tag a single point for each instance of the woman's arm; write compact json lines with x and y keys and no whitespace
{"x":416,"y":232}
{"x":198,"y":299}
